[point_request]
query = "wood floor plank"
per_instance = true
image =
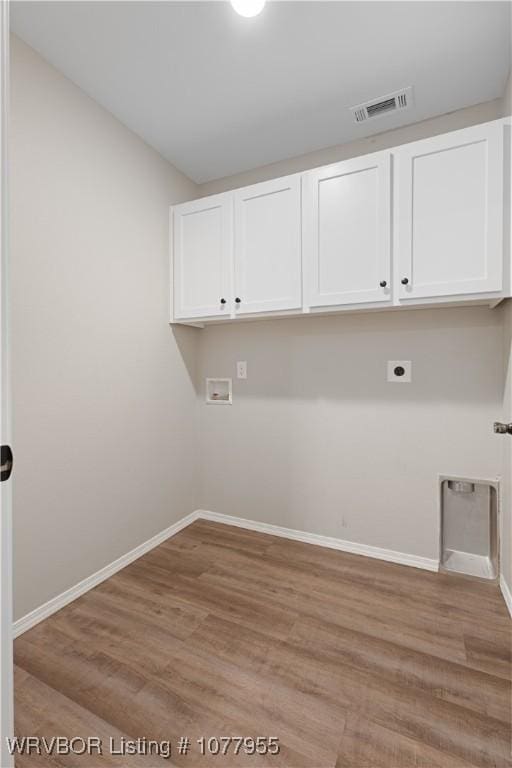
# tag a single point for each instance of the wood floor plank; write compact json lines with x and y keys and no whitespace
{"x":246,"y":647}
{"x":404,"y":709}
{"x":349,"y":662}
{"x":434,"y":629}
{"x":304,"y":721}
{"x":351,"y":608}
{"x":231,"y":538}
{"x":449,"y":595}
{"x":42,"y":711}
{"x":493,"y":655}
{"x":477,"y":691}
{"x":246,"y":609}
{"x":369,"y":745}
{"x":149,"y":603}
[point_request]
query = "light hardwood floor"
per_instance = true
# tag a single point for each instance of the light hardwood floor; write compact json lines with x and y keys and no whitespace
{"x":350,"y":662}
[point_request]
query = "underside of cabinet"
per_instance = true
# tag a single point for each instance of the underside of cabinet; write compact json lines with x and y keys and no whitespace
{"x":491,"y":302}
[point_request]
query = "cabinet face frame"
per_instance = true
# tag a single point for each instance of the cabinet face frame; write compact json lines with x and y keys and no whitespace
{"x":404,"y":158}
{"x":290,"y":185}
{"x":224,"y":203}
{"x":313,"y":297}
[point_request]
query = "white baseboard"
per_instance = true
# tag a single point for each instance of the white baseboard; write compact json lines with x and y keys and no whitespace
{"x":507,"y":594}
{"x":56,"y":603}
{"x":323,"y":541}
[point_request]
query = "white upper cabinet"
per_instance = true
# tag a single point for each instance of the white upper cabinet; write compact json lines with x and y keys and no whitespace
{"x":424,"y":223}
{"x":347,"y":232}
{"x":449,"y":214}
{"x":267,"y":256}
{"x":203,"y":246}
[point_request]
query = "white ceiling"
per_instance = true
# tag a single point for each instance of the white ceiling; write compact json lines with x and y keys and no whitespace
{"x":216,"y":93}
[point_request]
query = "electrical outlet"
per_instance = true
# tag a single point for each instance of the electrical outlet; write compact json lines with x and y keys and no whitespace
{"x":400,"y":371}
{"x":241,"y":370}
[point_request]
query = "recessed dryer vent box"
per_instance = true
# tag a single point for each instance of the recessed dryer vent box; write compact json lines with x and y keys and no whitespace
{"x":219,"y":392}
{"x":469,"y":526}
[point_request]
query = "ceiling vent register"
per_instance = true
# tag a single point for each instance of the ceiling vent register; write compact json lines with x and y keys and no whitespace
{"x":392,"y":102}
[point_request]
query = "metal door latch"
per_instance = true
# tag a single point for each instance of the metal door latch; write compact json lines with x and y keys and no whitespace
{"x":6,"y":462}
{"x":502,"y":429}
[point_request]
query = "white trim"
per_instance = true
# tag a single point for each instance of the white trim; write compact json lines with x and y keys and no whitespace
{"x":507,"y":594}
{"x":323,"y":541}
{"x":56,"y":603}
{"x":6,"y":656}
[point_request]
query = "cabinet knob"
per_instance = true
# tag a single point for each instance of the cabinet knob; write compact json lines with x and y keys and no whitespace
{"x":383,"y":283}
{"x":223,"y":301}
{"x":404,"y":280}
{"x":237,"y":300}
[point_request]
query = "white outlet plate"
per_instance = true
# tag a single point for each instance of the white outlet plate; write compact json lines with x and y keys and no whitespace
{"x":395,"y":368}
{"x":241,"y":370}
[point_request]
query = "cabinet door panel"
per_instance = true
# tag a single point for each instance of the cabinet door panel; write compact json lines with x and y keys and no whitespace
{"x":203,"y":235}
{"x":449,"y":196}
{"x":346,"y":214}
{"x":268,"y":246}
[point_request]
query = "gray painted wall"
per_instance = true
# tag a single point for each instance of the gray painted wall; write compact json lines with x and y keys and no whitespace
{"x":104,"y":403}
{"x":113,"y":442}
{"x":319,"y":441}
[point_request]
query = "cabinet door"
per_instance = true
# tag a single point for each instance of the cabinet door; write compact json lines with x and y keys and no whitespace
{"x":203,"y":245}
{"x":449,"y":211}
{"x":347,"y":218}
{"x":268,"y":246}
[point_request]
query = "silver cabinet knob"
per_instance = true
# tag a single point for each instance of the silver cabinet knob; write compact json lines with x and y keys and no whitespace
{"x":502,"y":429}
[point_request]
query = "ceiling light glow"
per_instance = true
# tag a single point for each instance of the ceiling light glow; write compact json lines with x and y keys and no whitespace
{"x":248,"y":8}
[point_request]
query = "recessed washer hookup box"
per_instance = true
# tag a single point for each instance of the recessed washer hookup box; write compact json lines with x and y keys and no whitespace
{"x":469,"y":527}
